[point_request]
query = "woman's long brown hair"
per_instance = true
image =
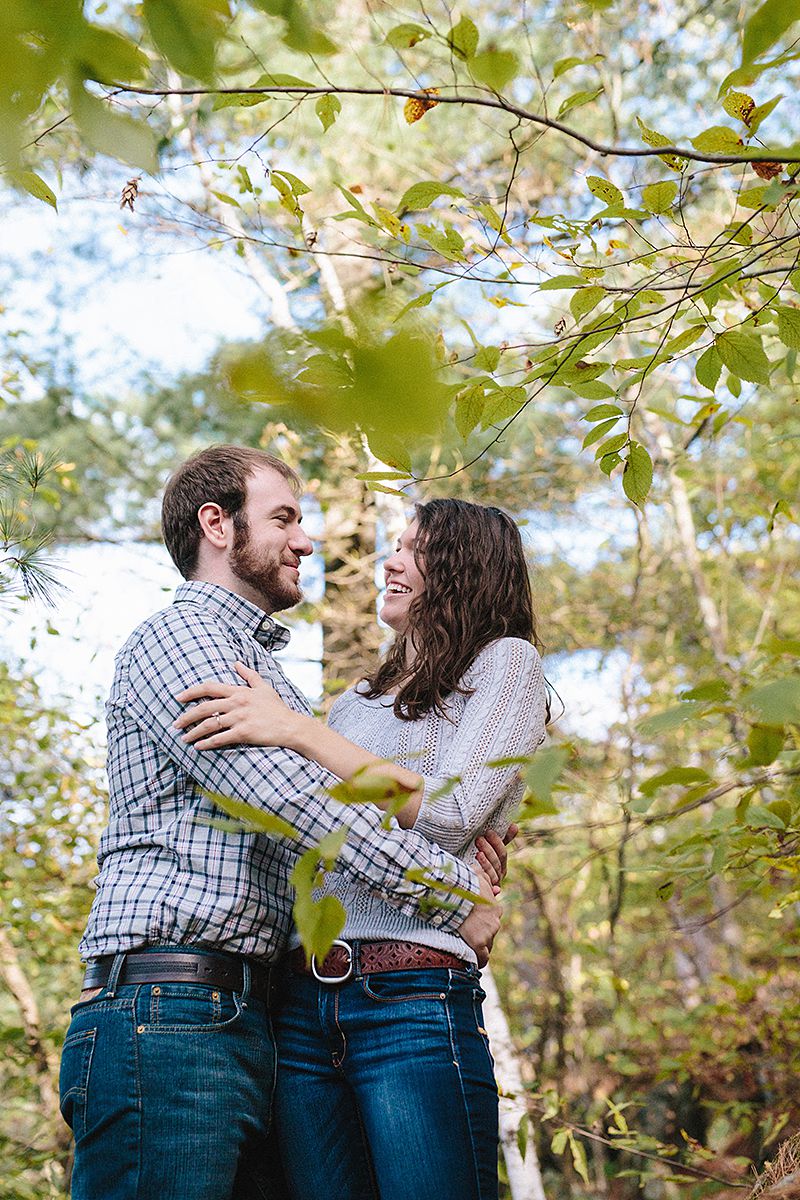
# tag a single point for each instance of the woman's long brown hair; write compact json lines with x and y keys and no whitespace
{"x":476,"y":590}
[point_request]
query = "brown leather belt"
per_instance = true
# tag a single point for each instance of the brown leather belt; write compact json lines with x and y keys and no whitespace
{"x":224,"y":971}
{"x":345,"y":959}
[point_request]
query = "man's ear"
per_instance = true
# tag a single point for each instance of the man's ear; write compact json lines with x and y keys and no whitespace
{"x":215,"y":524}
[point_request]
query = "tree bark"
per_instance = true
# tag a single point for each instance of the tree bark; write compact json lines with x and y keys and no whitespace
{"x":524,"y":1176}
{"x":45,"y":1063}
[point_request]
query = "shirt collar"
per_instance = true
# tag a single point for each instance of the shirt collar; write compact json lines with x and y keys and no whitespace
{"x":266,"y":631}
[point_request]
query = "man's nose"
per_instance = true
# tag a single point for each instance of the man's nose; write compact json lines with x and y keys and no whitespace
{"x":301,"y":543}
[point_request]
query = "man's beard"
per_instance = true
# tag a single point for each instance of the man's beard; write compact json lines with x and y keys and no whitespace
{"x":262,"y":572}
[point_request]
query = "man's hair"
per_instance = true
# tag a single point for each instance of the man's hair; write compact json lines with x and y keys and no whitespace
{"x":217,"y":475}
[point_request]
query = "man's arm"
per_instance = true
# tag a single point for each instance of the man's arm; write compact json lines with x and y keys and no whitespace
{"x":188,"y":645}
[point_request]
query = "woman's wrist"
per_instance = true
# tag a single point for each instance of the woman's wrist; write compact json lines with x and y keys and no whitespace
{"x":302,"y":733}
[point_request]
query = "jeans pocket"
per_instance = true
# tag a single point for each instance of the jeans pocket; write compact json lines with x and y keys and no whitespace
{"x":186,"y":1008}
{"x":396,"y":987}
{"x":76,"y":1065}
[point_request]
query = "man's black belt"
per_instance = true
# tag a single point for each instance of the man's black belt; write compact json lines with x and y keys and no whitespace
{"x":171,"y":966}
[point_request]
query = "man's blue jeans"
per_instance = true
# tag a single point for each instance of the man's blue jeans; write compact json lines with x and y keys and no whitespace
{"x":168,"y":1091}
{"x":386,"y":1088}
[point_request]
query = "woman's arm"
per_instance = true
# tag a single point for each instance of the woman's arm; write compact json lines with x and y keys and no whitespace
{"x":503,"y":719}
{"x":256,"y":716}
{"x":227,"y":715}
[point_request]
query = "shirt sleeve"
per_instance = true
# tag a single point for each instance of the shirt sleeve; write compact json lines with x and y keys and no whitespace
{"x":503,"y":718}
{"x":189,"y":646}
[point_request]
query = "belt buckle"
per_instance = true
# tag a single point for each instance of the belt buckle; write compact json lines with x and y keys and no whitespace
{"x":332,"y":979}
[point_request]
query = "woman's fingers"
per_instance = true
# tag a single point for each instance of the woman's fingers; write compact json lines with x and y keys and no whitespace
{"x":252,"y":677}
{"x":211,"y":688}
{"x":199,"y":712}
{"x":492,"y":857}
{"x":211,"y":726}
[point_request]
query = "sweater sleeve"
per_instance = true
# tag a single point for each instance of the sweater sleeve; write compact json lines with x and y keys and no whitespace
{"x":503,"y":718}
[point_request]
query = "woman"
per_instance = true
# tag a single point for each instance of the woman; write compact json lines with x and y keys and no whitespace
{"x":385,"y":1087}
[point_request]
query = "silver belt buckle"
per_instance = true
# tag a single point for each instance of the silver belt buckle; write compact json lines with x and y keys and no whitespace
{"x":335,"y":978}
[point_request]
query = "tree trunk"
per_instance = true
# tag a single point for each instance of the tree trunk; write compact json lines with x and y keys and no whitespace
{"x":45,"y":1064}
{"x":524,"y":1176}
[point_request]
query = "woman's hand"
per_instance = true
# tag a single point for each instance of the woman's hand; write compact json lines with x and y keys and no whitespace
{"x":230,"y":715}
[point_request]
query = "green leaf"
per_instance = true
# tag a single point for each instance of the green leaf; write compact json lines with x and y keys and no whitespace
{"x":469,"y":410}
{"x":789,"y":326}
{"x":709,"y":368}
{"x":609,"y":461}
{"x":765,"y":743}
{"x":604,"y":190}
{"x":34,"y":186}
{"x":253,"y":818}
{"x":560,"y":282}
{"x":559,"y":1141}
{"x":544,"y":770}
{"x":579,"y":1158}
{"x":637,"y":474}
{"x":762,"y":111}
{"x":577,"y":100}
{"x":318,"y":922}
{"x":422,"y":195}
{"x":679,"y":775}
{"x":599,"y":431}
{"x":766,"y":25}
{"x":780,"y":507}
{"x":613,"y":444}
{"x":775,"y":703}
{"x":652,"y":138}
{"x":326,"y":109}
{"x":404,"y":36}
{"x":562,"y":65}
{"x":273,"y":79}
{"x":739,"y":104}
{"x":111,"y":133}
{"x":753,"y":197}
{"x":187,"y":31}
{"x":593,"y":389}
{"x":463,"y":38}
{"x":502,"y":403}
{"x":719,"y":139}
{"x":758,"y":817}
{"x":226,"y":199}
{"x":585,"y":300}
{"x":495,"y":68}
{"x":487,"y":359}
{"x":658,"y":197}
{"x":743,"y":354}
{"x":670,"y":719}
{"x":602,"y":412}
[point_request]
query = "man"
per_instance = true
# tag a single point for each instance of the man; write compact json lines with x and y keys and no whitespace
{"x":168,"y":1063}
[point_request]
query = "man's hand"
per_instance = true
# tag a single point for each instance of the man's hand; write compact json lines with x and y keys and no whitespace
{"x":480,"y":927}
{"x":493,"y":855}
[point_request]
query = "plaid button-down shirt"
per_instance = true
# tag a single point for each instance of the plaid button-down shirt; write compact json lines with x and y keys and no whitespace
{"x":166,"y":874}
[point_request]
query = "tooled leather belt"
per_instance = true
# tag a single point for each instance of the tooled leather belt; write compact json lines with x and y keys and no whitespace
{"x":372,"y":958}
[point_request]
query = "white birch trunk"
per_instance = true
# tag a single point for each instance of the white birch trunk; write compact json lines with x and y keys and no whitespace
{"x":524,"y":1176}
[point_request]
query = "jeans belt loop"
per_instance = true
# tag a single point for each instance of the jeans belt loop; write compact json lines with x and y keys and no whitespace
{"x":114,"y":973}
{"x":246,"y":982}
{"x":333,"y":979}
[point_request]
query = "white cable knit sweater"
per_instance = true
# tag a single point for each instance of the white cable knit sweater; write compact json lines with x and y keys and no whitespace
{"x":504,"y":717}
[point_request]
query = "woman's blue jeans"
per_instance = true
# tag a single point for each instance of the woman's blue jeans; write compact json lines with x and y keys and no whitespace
{"x":386,"y":1088}
{"x":168,"y":1090}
